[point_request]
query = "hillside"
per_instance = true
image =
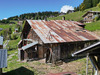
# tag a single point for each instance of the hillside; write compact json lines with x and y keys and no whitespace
{"x":94,"y":26}
{"x":77,"y":16}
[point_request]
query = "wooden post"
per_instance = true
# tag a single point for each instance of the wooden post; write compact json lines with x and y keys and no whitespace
{"x":87,"y":64}
{"x":25,"y":55}
{"x":92,"y":71}
{"x":0,"y":71}
{"x":40,"y":52}
{"x":98,"y":60}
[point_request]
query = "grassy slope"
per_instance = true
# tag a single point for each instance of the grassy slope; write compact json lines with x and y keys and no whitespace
{"x":4,"y":26}
{"x":93,"y":26}
{"x":76,"y":15}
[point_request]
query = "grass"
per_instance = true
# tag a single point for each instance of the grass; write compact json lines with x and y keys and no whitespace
{"x":18,"y":68}
{"x":5,"y":26}
{"x":14,"y":42}
{"x":77,"y":16}
{"x":93,"y":26}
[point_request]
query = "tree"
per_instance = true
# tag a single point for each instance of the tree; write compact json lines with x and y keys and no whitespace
{"x":95,"y":2}
{"x":98,"y":5}
{"x":82,"y":7}
{"x":87,"y":3}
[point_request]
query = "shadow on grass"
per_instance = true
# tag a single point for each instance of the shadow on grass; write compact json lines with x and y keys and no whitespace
{"x":73,"y":59}
{"x":20,"y":71}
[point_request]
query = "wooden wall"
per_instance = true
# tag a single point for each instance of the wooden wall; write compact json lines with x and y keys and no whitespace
{"x":32,"y":35}
{"x":68,"y":48}
{"x":56,"y":52}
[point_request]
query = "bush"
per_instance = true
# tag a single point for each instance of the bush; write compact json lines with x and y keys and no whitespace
{"x":96,"y":18}
{"x":14,"y":36}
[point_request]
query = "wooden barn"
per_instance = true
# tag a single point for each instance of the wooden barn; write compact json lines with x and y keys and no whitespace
{"x":90,"y":16}
{"x":54,"y":40}
{"x":93,"y":52}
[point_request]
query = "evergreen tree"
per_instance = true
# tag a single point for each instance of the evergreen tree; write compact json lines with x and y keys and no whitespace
{"x":95,"y":2}
{"x":87,"y":3}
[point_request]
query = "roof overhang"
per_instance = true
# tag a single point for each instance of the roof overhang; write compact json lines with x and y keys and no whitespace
{"x":87,"y":49}
{"x":29,"y":45}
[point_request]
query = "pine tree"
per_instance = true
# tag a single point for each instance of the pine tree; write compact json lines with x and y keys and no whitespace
{"x":87,"y":3}
{"x":95,"y":2}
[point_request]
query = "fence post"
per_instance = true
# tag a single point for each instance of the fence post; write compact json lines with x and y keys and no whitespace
{"x":87,"y":63}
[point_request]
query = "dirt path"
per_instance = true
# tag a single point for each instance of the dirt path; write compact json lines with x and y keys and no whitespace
{"x":10,"y":56}
{"x":45,"y":69}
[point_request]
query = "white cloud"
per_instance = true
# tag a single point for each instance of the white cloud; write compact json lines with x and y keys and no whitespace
{"x":65,"y":8}
{"x":5,"y":18}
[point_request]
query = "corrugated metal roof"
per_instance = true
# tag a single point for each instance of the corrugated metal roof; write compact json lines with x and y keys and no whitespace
{"x":29,"y":45}
{"x":58,"y":31}
{"x":3,"y":58}
{"x":1,"y":40}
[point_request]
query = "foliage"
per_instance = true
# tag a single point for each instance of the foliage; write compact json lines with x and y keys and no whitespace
{"x":14,"y":36}
{"x":4,"y":21}
{"x":82,"y":7}
{"x":96,"y":18}
{"x":10,"y":31}
{"x":87,"y":4}
{"x":98,"y":5}
{"x":34,"y":16}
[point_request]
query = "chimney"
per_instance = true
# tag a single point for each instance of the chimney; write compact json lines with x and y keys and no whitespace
{"x":63,"y":18}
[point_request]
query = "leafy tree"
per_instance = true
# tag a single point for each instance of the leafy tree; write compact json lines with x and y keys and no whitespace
{"x":82,"y":7}
{"x":98,"y":5}
{"x":87,"y":3}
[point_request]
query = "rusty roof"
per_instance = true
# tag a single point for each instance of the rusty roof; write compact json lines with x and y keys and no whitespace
{"x":59,"y":31}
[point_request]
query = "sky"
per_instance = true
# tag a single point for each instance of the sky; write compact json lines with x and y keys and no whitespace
{"x":10,"y":8}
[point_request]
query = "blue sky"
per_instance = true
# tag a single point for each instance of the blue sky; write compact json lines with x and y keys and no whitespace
{"x":10,"y":8}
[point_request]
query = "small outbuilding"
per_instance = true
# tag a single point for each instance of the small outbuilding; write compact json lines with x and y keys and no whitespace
{"x":90,"y":16}
{"x":54,"y":40}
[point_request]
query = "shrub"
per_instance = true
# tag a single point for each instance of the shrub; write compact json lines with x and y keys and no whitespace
{"x":14,"y":36}
{"x":96,"y":18}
